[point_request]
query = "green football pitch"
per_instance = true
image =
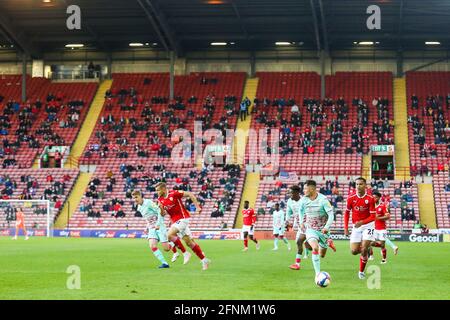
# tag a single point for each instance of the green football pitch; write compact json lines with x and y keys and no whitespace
{"x":126,"y":269}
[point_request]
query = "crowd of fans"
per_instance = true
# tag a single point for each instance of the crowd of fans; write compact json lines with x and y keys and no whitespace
{"x":32,"y":190}
{"x":137,"y":176}
{"x":326,"y":122}
{"x":230,"y":187}
{"x":53,"y":192}
{"x":403,"y":197}
{"x":433,"y":110}
{"x":31,"y":133}
{"x":115,"y":136}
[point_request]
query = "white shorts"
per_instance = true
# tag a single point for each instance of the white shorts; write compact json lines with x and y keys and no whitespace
{"x":279,"y":231}
{"x":182,"y":226}
{"x":380,"y":235}
{"x":299,"y":234}
{"x":160,"y":234}
{"x":249,"y":229}
{"x":363,"y":233}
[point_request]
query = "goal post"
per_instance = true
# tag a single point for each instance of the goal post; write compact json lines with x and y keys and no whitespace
{"x":36,"y":213}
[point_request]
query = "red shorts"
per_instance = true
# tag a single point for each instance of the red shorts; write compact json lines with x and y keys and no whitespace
{"x":20,"y":225}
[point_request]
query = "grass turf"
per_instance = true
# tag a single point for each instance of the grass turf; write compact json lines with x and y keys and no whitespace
{"x":126,"y":269}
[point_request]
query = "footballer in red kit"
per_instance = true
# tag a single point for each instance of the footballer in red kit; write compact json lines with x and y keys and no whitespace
{"x":248,"y":228}
{"x":362,"y":209}
{"x":380,"y":234}
{"x":171,"y":203}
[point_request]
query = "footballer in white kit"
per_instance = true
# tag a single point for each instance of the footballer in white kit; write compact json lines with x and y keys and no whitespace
{"x":157,"y":231}
{"x":293,"y":205}
{"x":279,"y":227}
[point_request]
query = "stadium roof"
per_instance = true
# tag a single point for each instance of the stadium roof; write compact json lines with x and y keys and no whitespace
{"x":39,"y":26}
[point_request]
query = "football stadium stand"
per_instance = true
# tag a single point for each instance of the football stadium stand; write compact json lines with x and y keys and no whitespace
{"x":29,"y":184}
{"x":131,"y":141}
{"x":429,"y":116}
{"x":135,"y":129}
{"x":52,"y":115}
{"x":325,"y":137}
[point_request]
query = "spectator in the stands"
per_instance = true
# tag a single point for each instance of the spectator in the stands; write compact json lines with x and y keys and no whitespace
{"x":408,"y":196}
{"x":216,"y":212}
{"x":223,"y":225}
{"x":192,"y":208}
{"x":352,"y":183}
{"x":375,"y":166}
{"x":45,"y":160}
{"x":414,"y":170}
{"x":447,"y":187}
{"x":117,"y":211}
{"x":243,"y":111}
{"x":394,"y":203}
{"x":58,"y":159}
{"x":91,"y":69}
{"x":373,"y":183}
{"x":390,"y":168}
{"x":380,"y":184}
{"x":414,"y":101}
{"x":424,"y":169}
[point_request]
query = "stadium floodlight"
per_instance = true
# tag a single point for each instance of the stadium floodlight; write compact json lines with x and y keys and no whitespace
{"x":366,"y":43}
{"x":136,"y":44}
{"x":432,"y":43}
{"x":74,"y":45}
{"x":218,"y":43}
{"x":282,"y":43}
{"x":33,"y":211}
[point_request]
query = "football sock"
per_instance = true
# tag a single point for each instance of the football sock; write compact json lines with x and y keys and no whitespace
{"x":316,"y":261}
{"x":298,"y":258}
{"x":275,"y":242}
{"x":159,"y":255}
{"x":362,"y":263}
{"x":390,"y":244}
{"x":246,"y":243}
{"x":196,"y":248}
{"x":384,"y":253}
{"x":178,"y":243}
{"x":285,"y":240}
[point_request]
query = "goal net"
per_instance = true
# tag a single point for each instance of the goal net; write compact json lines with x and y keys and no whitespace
{"x":38,"y":216}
